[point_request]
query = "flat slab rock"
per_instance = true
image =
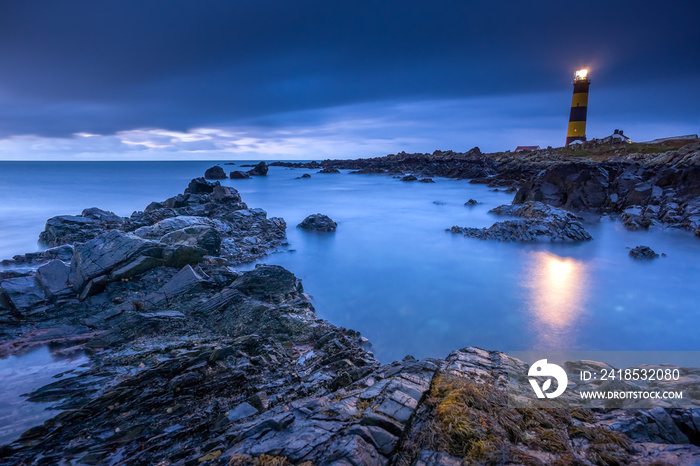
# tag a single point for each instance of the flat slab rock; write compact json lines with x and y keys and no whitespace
{"x":534,"y":221}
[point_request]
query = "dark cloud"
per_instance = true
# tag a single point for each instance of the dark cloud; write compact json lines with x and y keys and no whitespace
{"x":102,"y":67}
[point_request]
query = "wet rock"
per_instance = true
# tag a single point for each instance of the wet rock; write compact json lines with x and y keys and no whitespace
{"x":20,"y":293}
{"x":238,"y":175}
{"x":63,"y":253}
{"x":54,"y":277}
{"x":215,"y":173}
{"x":537,"y":222}
{"x":305,"y":175}
{"x":183,"y":254}
{"x":134,"y":267}
{"x":65,"y":229}
{"x":242,"y":411}
{"x":201,"y":186}
{"x":436,"y":458}
{"x":634,"y":218}
{"x":471,"y":202}
{"x":426,"y":180}
{"x":225,"y":194}
{"x":643,"y":253}
{"x":409,"y":178}
{"x":329,"y":170}
{"x":259,"y":170}
{"x":100,"y":256}
{"x":318,"y":222}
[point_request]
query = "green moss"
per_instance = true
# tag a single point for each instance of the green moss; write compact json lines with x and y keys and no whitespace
{"x":474,"y":421}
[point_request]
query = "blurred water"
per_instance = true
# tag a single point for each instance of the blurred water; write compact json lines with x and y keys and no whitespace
{"x":394,"y":274}
{"x":21,"y":375}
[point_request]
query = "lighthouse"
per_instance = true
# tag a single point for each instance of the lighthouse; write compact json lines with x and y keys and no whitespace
{"x":579,"y":108}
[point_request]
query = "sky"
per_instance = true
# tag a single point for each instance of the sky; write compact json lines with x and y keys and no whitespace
{"x":234,"y":80}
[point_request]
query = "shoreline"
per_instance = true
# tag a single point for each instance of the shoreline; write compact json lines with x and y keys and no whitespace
{"x":191,"y":348}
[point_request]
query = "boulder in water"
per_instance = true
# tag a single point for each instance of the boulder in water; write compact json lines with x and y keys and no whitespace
{"x":643,"y":253}
{"x":318,"y":222}
{"x":238,"y":175}
{"x":215,"y":173}
{"x":259,"y":170}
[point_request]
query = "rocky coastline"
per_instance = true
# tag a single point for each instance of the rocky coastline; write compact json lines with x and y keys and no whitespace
{"x":643,"y":185}
{"x":195,"y":362}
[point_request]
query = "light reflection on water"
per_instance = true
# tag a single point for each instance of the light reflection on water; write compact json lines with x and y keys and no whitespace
{"x":558,"y":293}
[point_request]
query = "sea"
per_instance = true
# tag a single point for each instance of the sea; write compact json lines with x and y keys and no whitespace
{"x":393,"y":272}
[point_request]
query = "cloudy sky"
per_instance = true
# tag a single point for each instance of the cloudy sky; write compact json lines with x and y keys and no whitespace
{"x":287,"y":79}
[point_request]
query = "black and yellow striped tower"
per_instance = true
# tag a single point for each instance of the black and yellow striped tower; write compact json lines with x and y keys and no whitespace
{"x":579,"y":108}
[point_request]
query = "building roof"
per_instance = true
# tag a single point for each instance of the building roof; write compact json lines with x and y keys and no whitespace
{"x":522,"y":148}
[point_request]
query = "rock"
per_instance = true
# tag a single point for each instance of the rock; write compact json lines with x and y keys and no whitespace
{"x":184,"y":281}
{"x":329,"y":170}
{"x":259,"y":170}
{"x":409,"y":178}
{"x":436,"y":458}
{"x":102,"y":216}
{"x":634,"y":218}
{"x":68,"y":229}
{"x":241,"y":411}
{"x":135,"y":267}
{"x":183,"y":222}
{"x":267,"y":282}
{"x":537,"y":222}
{"x":305,"y":175}
{"x":471,"y":202}
{"x":215,"y":173}
{"x":102,"y":255}
{"x":20,"y":293}
{"x":224,"y":194}
{"x":318,"y":222}
{"x":643,"y":253}
{"x":183,"y":254}
{"x":201,"y":186}
{"x":426,"y":180}
{"x":63,"y":253}
{"x":238,"y":175}
{"x":54,"y":277}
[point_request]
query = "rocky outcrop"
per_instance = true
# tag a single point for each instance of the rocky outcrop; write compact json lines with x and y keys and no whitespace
{"x":318,"y":222}
{"x":409,"y":178}
{"x":259,"y":170}
{"x":65,"y":229}
{"x":471,"y":164}
{"x":643,"y":253}
{"x":660,"y":182}
{"x":239,"y":175}
{"x":207,"y":219}
{"x":535,"y":222}
{"x":426,"y":180}
{"x":215,"y":173}
{"x":63,"y":252}
{"x":329,"y":170}
{"x":660,"y":191}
